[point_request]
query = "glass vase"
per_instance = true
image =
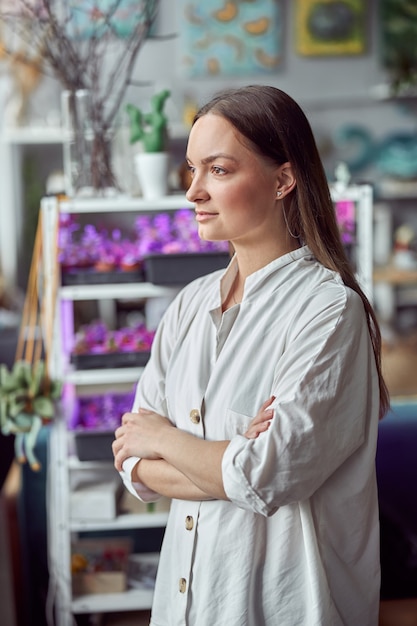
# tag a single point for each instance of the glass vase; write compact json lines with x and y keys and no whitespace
{"x":87,"y":146}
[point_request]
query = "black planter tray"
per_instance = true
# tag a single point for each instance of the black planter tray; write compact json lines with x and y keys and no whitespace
{"x":91,"y":276}
{"x":180,"y":269}
{"x":94,"y":445}
{"x":111,"y":359}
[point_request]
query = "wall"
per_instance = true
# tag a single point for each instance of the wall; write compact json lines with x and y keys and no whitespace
{"x":333,"y":91}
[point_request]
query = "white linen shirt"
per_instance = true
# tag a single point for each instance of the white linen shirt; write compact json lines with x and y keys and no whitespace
{"x":298,"y":541}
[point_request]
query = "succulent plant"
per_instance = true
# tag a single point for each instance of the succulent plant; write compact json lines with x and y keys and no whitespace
{"x":150,"y":128}
{"x":27,"y":398}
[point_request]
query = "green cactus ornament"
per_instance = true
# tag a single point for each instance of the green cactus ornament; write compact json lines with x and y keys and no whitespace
{"x":27,"y":399}
{"x":150,"y":128}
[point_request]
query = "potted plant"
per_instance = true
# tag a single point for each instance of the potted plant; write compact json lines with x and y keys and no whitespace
{"x":151,"y":130}
{"x":27,"y":400}
{"x":91,"y":48}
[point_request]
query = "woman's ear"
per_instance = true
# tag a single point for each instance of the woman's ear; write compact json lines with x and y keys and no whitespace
{"x":286,"y":180}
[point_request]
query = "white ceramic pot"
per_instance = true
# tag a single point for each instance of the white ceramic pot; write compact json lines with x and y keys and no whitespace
{"x":152,"y":173}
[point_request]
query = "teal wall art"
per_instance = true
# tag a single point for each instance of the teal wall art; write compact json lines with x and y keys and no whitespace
{"x":230,"y":37}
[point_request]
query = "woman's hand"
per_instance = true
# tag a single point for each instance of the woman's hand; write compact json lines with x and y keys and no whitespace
{"x":138,"y":436}
{"x":261,"y":421}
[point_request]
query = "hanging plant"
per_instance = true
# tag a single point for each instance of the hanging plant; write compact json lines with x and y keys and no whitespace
{"x":28,"y":395}
{"x":398,"y":44}
{"x":27,"y":401}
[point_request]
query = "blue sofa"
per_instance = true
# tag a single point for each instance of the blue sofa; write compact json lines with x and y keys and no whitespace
{"x":396,"y":465}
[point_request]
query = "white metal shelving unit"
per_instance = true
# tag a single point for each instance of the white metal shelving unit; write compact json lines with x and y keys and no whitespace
{"x":60,"y":526}
{"x":12,"y":145}
{"x":362,"y":196}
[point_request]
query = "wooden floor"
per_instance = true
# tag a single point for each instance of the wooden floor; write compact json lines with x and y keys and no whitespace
{"x":7,"y":601}
{"x":398,"y":613}
{"x":130,"y":618}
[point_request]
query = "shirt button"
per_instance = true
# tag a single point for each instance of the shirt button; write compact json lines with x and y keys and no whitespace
{"x":182,"y":585}
{"x":195,"y":416}
{"x":189,"y":522}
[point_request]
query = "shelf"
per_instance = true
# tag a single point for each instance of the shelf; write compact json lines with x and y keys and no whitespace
{"x":395,"y":276}
{"x":38,"y":135}
{"x":75,"y":464}
{"x":130,"y":600}
{"x":124,"y":203}
{"x":392,"y":189}
{"x":114,"y":291}
{"x":68,"y":470}
{"x":124,"y":521}
{"x":133,"y":512}
{"x":104,"y":376}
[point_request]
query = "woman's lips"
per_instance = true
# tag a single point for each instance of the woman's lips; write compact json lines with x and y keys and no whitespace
{"x":203,"y":216}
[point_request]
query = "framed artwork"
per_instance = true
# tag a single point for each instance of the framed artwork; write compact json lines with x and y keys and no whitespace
{"x":90,"y":18}
{"x":230,"y":37}
{"x":330,"y":27}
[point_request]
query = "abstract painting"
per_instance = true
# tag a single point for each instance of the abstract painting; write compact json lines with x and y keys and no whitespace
{"x":230,"y":37}
{"x":330,"y":27}
{"x":90,"y":18}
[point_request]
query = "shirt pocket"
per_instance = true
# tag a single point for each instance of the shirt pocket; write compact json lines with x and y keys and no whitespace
{"x":236,"y":423}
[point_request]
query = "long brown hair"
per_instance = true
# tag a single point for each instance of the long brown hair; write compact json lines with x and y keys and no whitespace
{"x":278,"y":129}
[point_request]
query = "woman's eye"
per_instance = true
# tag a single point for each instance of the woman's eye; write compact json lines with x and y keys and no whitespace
{"x":216,"y":169}
{"x":191,"y":169}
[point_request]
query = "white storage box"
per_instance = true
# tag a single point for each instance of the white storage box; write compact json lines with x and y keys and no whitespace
{"x":95,"y":501}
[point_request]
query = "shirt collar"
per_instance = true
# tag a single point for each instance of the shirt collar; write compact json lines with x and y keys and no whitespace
{"x":255,"y":281}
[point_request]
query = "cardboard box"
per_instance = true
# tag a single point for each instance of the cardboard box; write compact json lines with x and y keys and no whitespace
{"x":99,"y":565}
{"x":99,"y":582}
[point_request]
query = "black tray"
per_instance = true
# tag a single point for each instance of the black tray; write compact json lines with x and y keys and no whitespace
{"x":90,"y":276}
{"x":112,"y":359}
{"x":93,"y":445}
{"x":180,"y":269}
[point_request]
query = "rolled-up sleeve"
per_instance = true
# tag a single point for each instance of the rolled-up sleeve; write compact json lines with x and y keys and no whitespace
{"x":137,"y":489}
{"x":324,"y":401}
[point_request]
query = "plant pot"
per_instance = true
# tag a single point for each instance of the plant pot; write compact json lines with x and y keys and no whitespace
{"x":152,"y":173}
{"x":110,"y":360}
{"x":182,"y":268}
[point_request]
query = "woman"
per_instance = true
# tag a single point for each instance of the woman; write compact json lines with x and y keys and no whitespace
{"x":274,"y":519}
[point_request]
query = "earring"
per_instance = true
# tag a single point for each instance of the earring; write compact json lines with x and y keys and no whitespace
{"x":279,"y":194}
{"x":286,"y":224}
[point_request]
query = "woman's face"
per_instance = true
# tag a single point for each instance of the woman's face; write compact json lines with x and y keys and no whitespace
{"x":233,"y":188}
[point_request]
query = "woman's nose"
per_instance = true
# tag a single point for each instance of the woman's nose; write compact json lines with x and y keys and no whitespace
{"x":196,"y":190}
{"x":190,"y":193}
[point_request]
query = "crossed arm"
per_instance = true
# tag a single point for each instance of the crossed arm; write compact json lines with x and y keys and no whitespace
{"x":173,"y":462}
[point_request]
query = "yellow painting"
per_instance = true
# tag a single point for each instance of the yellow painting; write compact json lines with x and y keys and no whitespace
{"x":330,"y":27}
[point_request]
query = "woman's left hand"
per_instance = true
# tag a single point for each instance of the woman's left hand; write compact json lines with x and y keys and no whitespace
{"x":138,"y":436}
{"x":261,"y":421}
